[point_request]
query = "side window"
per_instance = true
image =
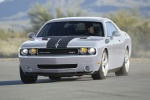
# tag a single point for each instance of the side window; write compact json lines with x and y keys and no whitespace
{"x":110,"y":28}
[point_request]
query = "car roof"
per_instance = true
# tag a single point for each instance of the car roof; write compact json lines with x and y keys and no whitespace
{"x":94,"y":19}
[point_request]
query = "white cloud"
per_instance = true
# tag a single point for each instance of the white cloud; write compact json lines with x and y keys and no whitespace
{"x":2,"y":1}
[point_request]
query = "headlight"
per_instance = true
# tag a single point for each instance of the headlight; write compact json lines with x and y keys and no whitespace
{"x":32,"y":51}
{"x":83,"y":50}
{"x":24,"y":52}
{"x":91,"y":51}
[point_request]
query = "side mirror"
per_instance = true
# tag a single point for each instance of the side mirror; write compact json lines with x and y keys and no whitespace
{"x":116,"y":34}
{"x":31,"y":35}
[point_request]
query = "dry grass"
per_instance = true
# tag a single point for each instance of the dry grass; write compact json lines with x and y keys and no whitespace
{"x":9,"y":47}
{"x":140,"y":60}
{"x":6,"y":35}
{"x":10,"y":42}
{"x":143,"y":54}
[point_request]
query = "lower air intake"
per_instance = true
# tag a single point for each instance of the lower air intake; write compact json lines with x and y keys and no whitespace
{"x":60,"y":66}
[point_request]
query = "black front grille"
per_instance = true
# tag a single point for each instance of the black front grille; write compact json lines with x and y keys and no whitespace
{"x":58,"y":66}
{"x":58,"y":51}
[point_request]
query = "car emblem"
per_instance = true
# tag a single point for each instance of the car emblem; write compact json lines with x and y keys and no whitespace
{"x":56,"y":45}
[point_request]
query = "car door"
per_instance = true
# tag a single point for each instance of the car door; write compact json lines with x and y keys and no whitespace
{"x":115,"y":46}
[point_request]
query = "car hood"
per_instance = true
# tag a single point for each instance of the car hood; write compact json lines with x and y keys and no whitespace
{"x":62,"y":42}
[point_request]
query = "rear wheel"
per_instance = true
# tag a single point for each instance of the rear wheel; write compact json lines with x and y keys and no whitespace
{"x":54,"y":77}
{"x":27,"y":79}
{"x":102,"y":72}
{"x":125,"y":68}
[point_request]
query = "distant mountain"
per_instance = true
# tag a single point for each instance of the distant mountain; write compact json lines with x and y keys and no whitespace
{"x":14,"y":12}
{"x":10,"y":8}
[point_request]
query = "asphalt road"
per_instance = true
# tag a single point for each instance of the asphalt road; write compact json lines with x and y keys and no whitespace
{"x":135,"y":86}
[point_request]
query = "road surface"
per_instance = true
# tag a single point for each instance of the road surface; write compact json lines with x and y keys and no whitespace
{"x":135,"y":86}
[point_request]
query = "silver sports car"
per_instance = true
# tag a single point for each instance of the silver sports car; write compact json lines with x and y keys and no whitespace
{"x":75,"y":46}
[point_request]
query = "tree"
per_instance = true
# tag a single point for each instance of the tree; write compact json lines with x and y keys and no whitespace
{"x":136,"y":27}
{"x":39,"y":14}
{"x":125,"y":20}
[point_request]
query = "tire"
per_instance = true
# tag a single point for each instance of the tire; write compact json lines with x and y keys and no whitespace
{"x":27,"y":79}
{"x":103,"y":70}
{"x":54,"y":77}
{"x":123,"y":71}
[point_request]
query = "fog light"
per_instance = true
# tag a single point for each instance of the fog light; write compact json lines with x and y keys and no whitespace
{"x":87,"y":68}
{"x":29,"y":69}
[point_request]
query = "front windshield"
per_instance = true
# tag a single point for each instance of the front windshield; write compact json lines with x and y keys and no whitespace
{"x":76,"y":28}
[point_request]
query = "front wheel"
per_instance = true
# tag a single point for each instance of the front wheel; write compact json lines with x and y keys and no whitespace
{"x":27,"y":79}
{"x":125,"y":68}
{"x":103,"y":70}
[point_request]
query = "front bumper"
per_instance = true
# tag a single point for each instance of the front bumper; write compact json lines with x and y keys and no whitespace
{"x":31,"y":62}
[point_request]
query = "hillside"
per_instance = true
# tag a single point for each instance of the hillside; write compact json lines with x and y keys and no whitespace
{"x":14,"y":12}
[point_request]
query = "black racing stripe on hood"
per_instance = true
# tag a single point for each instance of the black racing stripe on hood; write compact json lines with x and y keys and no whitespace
{"x":64,"y":41}
{"x":53,"y":41}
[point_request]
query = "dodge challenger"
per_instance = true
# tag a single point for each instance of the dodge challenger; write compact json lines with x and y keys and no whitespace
{"x":75,"y":46}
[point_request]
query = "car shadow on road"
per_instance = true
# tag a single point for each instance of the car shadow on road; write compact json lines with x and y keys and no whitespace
{"x":11,"y":82}
{"x":45,"y":80}
{"x":18,"y":82}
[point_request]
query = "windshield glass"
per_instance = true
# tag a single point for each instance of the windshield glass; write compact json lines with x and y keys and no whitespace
{"x":76,"y":28}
